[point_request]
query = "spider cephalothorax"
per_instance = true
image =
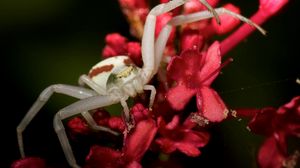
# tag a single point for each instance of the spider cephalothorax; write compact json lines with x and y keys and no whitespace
{"x":115,"y":79}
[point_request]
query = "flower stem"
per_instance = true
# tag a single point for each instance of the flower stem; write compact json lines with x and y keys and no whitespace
{"x":241,"y":33}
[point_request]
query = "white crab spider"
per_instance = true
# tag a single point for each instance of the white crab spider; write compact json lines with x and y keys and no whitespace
{"x":115,"y":79}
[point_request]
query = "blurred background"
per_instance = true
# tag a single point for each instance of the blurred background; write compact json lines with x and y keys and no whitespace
{"x":45,"y":42}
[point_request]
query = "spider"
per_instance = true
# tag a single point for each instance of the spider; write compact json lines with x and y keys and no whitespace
{"x":115,"y":79}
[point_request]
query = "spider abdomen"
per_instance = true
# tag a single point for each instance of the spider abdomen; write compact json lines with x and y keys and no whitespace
{"x":117,"y":72}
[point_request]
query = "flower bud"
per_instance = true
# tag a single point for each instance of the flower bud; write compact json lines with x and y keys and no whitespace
{"x":228,"y":22}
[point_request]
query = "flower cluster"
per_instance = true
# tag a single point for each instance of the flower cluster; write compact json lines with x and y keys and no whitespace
{"x":185,"y":103}
{"x":277,"y":125}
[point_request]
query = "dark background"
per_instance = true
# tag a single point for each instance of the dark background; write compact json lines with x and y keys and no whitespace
{"x":44,"y":42}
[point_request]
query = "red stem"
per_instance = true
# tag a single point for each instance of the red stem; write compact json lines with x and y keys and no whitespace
{"x":241,"y":33}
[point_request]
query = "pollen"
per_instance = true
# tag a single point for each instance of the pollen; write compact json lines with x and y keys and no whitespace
{"x":248,"y":128}
{"x":226,"y":111}
{"x":234,"y":113}
{"x":298,"y":81}
{"x":201,"y":121}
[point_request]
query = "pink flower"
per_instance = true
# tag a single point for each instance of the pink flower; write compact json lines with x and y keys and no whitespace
{"x":194,"y":72}
{"x":286,"y":118}
{"x":135,"y":146}
{"x":78,"y":125}
{"x":277,"y":125}
{"x":191,"y":38}
{"x":176,"y":136}
{"x":116,"y":45}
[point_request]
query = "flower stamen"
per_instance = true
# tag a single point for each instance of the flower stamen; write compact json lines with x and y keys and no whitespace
{"x":229,"y":60}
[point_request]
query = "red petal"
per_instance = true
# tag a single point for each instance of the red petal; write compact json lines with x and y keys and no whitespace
{"x":188,"y":149}
{"x":185,"y":67}
{"x":173,"y":123}
{"x":192,"y":6}
{"x":288,"y":117}
{"x":293,"y":105}
{"x":29,"y":162}
{"x":210,"y":105}
{"x":166,"y":145}
{"x":134,"y":52}
{"x":269,"y":156}
{"x":108,"y":52}
{"x":228,"y":22}
{"x":101,"y":117}
{"x":179,"y":96}
{"x":103,"y":157}
{"x":172,"y":70}
{"x":115,"y":45}
{"x":139,"y":112}
{"x":191,"y":39}
{"x":116,"y":123}
{"x":212,"y":61}
{"x":261,"y":123}
{"x":139,"y":141}
{"x":78,"y":126}
{"x":197,"y":138}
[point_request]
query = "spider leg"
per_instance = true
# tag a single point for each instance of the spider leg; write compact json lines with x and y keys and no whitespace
{"x":148,"y":53}
{"x":84,"y":79}
{"x":78,"y":107}
{"x":183,"y":19}
{"x":91,"y":122}
{"x":152,"y":94}
{"x":73,"y":91}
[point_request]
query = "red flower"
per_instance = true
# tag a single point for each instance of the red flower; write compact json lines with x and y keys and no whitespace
{"x":29,"y":162}
{"x":135,"y":146}
{"x":191,"y":38}
{"x":284,"y":119}
{"x":277,"y":125}
{"x":194,"y":72}
{"x":175,"y":136}
{"x":228,"y":22}
{"x":78,"y":125}
{"x":116,"y":45}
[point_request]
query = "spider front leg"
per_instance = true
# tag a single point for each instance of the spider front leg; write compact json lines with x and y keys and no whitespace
{"x":183,"y":19}
{"x":71,"y":110}
{"x":148,"y":51}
